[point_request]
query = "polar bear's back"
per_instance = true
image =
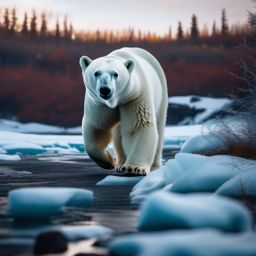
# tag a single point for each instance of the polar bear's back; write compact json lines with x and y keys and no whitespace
{"x":146,"y":59}
{"x":152,"y":61}
{"x":127,"y":52}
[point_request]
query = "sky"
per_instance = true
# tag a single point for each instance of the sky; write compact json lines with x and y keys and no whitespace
{"x":153,"y":15}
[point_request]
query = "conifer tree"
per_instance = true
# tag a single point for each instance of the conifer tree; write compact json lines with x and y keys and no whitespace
{"x":6,"y":21}
{"x":24,"y":30}
{"x":33,"y":25}
{"x":170,"y":33}
{"x":194,"y":31}
{"x":57,"y":29}
{"x":224,"y":23}
{"x":205,"y":31}
{"x":252,"y":23}
{"x":98,"y":35}
{"x":65,"y":26}
{"x":131,"y":34}
{"x":180,"y":33}
{"x":13,"y":22}
{"x":71,"y":30}
{"x":0,"y":20}
{"x":214,"y":28}
{"x":43,"y":28}
{"x":139,"y":35}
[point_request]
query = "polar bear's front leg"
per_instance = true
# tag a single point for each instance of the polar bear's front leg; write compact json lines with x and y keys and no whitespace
{"x":139,"y":138}
{"x":96,"y":141}
{"x":140,"y":150}
{"x":117,"y":142}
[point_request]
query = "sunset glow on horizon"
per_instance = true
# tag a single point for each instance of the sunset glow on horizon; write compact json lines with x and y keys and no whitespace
{"x":146,"y":15}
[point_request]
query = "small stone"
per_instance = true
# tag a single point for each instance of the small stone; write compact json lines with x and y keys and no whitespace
{"x":50,"y":242}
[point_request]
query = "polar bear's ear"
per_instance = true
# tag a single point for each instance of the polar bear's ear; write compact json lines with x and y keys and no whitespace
{"x":129,"y":65}
{"x":84,"y":62}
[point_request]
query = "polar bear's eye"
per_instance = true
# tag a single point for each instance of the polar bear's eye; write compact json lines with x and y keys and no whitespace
{"x":115,"y":75}
{"x":97,"y":73}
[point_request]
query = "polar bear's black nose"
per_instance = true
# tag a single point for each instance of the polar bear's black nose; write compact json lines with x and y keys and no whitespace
{"x":105,"y":92}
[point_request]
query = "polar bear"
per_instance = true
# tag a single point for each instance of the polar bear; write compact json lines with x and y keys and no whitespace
{"x":125,"y":102}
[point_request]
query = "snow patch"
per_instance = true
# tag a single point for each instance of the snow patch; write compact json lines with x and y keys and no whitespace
{"x":9,"y":157}
{"x":23,"y":148}
{"x":27,"y":144}
{"x":20,"y":143}
{"x":179,"y":134}
{"x":8,"y":172}
{"x":208,"y":105}
{"x":14,"y":126}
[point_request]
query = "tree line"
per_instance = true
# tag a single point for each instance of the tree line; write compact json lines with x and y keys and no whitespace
{"x":33,"y":27}
{"x":37,"y":27}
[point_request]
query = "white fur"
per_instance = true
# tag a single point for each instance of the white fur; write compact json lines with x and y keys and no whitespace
{"x":133,"y":114}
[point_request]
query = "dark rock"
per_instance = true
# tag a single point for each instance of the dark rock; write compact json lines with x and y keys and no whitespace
{"x":50,"y":242}
{"x":179,"y":112}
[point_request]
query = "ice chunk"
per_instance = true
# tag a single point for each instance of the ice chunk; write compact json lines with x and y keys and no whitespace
{"x":61,"y":150}
{"x":24,"y":148}
{"x":78,"y":146}
{"x":173,"y":171}
{"x":153,"y":181}
{"x":2,"y":151}
{"x":44,"y":202}
{"x":192,"y":243}
{"x":209,"y":176}
{"x":37,"y":144}
{"x":189,"y":161}
{"x":5,"y":171}
{"x":112,"y":180}
{"x":9,"y":157}
{"x":163,"y":210}
{"x":168,"y":174}
{"x":74,"y":233}
{"x":203,"y":143}
{"x":243,"y":184}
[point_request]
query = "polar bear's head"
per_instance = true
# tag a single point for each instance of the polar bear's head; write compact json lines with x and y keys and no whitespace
{"x":106,"y":79}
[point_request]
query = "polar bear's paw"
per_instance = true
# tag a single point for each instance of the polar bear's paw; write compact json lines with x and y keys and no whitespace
{"x":131,"y":170}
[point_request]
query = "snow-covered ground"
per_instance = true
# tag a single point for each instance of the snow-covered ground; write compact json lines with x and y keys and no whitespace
{"x":13,"y":144}
{"x":185,"y":201}
{"x":14,"y":126}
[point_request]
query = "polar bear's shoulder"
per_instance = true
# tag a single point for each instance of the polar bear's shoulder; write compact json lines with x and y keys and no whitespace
{"x":135,"y":52}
